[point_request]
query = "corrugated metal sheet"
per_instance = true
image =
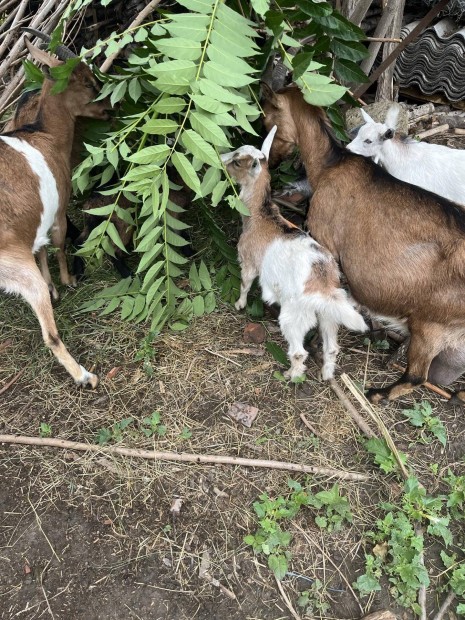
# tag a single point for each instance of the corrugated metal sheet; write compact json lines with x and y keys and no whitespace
{"x":435,"y":61}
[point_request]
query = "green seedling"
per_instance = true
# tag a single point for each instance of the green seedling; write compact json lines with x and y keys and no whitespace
{"x":422,"y":417}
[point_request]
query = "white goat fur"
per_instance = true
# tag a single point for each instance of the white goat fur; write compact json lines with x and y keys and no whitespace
{"x":437,"y":168}
{"x":294,"y":270}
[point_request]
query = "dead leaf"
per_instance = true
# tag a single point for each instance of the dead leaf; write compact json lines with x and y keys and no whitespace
{"x":380,"y":550}
{"x":254,"y":332}
{"x":243,"y":413}
{"x":111,"y":374}
{"x":27,"y":569}
{"x":204,"y":564}
{"x":176,"y":506}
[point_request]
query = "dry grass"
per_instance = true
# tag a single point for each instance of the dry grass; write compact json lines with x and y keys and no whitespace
{"x":97,"y":531}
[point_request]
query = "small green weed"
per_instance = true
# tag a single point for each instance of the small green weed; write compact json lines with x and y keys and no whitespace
{"x":383,"y":455}
{"x":422,"y":416}
{"x":186,"y":433}
{"x":377,"y":345}
{"x":114,"y":433}
{"x":313,"y":600}
{"x":152,"y":425}
{"x":147,"y":353}
{"x":399,"y":542}
{"x":273,"y":541}
{"x":45,"y":430}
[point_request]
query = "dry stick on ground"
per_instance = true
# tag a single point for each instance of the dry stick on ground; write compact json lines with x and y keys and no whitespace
{"x":136,"y":22}
{"x":423,"y":23}
{"x":445,"y":606}
{"x":354,"y":414}
{"x":11,"y":381}
{"x":309,"y":426}
{"x":182,"y":457}
{"x":286,"y":600}
{"x":374,"y":415}
{"x":15,"y":17}
{"x":366,"y":406}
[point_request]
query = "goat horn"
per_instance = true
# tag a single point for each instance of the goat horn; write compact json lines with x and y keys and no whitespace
{"x":63,"y":52}
{"x":266,"y":146}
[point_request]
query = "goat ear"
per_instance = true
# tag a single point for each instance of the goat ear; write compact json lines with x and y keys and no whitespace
{"x":268,"y":94}
{"x":40,"y":55}
{"x":392,"y":116}
{"x":366,"y":117}
{"x":388,"y":135}
{"x":266,"y":146}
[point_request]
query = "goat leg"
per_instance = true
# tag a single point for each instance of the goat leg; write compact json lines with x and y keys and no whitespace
{"x":425,"y":344}
{"x":43,"y":263}
{"x":20,"y":275}
{"x":58,"y":240}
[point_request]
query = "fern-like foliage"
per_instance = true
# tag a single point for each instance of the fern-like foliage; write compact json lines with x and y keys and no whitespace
{"x":187,"y":91}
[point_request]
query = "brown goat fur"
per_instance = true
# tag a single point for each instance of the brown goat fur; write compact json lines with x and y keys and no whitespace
{"x":36,"y":181}
{"x":401,"y":248}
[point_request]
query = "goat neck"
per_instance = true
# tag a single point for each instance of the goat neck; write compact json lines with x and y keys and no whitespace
{"x":304,"y":126}
{"x":56,"y":119}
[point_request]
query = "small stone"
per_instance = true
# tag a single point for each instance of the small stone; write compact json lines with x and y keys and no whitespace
{"x":254,"y":332}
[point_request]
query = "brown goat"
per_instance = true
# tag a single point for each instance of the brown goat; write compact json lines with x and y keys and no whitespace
{"x":401,"y":248}
{"x":35,"y":187}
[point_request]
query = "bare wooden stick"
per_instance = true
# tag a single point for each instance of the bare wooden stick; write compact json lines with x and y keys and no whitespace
{"x":434,"y":131}
{"x":366,"y":406}
{"x":183,"y":457}
{"x":286,"y":600}
{"x":459,"y":132}
{"x":222,"y":357}
{"x":11,"y":381}
{"x":354,"y":414}
{"x":136,"y":22}
{"x":309,"y":426}
{"x":422,"y":590}
{"x":445,"y":606}
{"x":380,"y":32}
{"x":9,"y":35}
{"x":383,"y":40}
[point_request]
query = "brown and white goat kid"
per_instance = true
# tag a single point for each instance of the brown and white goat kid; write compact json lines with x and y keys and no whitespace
{"x":294,"y":271}
{"x":35,"y":182}
{"x":401,"y":248}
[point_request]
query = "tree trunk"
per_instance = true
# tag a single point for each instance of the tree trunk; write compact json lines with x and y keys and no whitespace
{"x":385,"y":82}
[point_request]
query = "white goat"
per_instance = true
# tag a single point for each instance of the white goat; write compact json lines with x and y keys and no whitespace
{"x":437,"y":168}
{"x":295,"y":271}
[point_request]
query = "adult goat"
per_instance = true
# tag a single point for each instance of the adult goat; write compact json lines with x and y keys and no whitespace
{"x":35,"y":187}
{"x":401,"y":248}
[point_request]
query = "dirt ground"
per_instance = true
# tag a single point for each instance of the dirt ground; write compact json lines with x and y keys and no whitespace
{"x":91,"y":536}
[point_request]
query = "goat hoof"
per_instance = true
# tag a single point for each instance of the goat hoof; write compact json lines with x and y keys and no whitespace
{"x":458,"y":398}
{"x":88,"y":379}
{"x":376,"y":397}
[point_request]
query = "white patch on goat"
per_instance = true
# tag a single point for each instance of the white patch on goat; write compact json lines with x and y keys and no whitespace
{"x":47,"y":187}
{"x":287,"y":264}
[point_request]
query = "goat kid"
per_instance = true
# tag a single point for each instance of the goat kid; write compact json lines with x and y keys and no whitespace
{"x":439,"y":169}
{"x":294,"y":270}
{"x":35,"y":188}
{"x":401,"y":248}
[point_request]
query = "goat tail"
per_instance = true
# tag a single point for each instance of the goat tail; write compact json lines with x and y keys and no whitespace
{"x":337,"y":307}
